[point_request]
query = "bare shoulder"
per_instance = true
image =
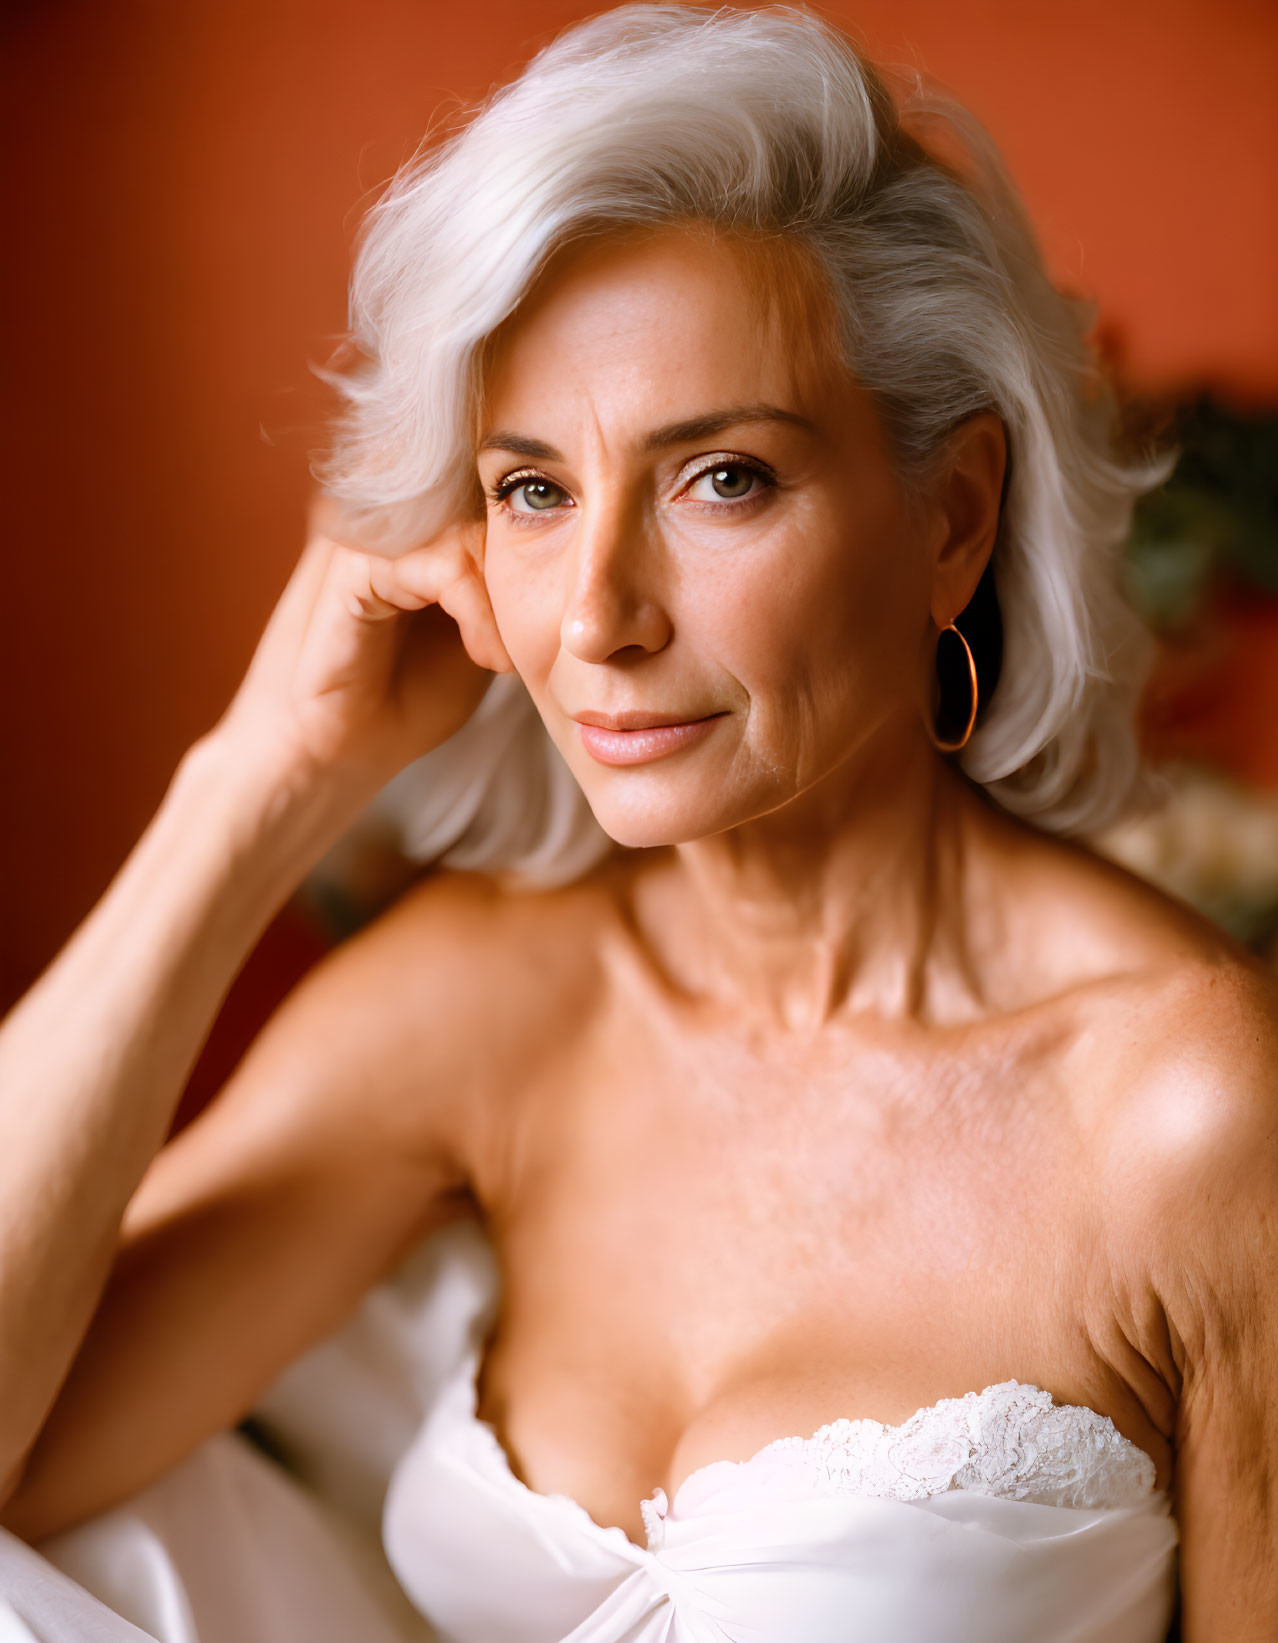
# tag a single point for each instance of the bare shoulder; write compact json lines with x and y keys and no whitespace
{"x":475,"y":981}
{"x":1184,"y":1175}
{"x":1073,"y":916}
{"x":1174,"y":1054}
{"x":1193,"y":1091}
{"x":1172,"y":1025}
{"x":1178,"y":1021}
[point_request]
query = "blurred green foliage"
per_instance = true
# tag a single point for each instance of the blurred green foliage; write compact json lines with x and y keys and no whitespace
{"x":1215,"y":519}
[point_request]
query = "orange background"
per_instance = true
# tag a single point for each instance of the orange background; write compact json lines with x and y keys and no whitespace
{"x":185,"y":183}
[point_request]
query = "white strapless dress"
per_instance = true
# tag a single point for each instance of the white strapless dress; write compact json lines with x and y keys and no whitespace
{"x":999,"y":1517}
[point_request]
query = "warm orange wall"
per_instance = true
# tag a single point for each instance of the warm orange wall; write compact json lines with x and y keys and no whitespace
{"x":184,"y":184}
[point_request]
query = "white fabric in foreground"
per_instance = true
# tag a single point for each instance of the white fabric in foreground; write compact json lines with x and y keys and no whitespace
{"x":377,"y":1428}
{"x":224,"y":1548}
{"x":857,"y":1534}
{"x":228,"y":1547}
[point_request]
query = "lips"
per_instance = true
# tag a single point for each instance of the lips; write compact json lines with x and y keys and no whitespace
{"x":638,"y":719}
{"x":618,"y":742}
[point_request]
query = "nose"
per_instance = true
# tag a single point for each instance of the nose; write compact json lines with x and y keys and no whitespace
{"x":613,"y":600}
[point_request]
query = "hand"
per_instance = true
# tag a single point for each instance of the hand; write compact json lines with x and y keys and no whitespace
{"x":368,"y":662}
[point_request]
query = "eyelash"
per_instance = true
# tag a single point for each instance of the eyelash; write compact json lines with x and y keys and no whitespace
{"x":524,"y":476}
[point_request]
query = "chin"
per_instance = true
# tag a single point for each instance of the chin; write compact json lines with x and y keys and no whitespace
{"x":645,"y":822}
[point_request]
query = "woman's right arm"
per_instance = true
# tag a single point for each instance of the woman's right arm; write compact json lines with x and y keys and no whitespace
{"x":94,"y":1058}
{"x":353,"y":678}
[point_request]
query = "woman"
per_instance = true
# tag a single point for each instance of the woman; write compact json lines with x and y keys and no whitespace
{"x":820,"y":1082}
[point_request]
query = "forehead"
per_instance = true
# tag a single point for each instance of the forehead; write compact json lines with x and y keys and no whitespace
{"x":642,"y":320}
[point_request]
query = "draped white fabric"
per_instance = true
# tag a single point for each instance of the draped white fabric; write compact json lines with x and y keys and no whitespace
{"x":228,"y":1546}
{"x":224,"y":1548}
{"x":389,"y":1489}
{"x":783,"y":1548}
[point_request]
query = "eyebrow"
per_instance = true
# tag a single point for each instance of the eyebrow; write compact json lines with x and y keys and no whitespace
{"x":657,"y":439}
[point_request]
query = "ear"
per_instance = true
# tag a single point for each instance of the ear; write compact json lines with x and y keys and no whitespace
{"x":967,"y":501}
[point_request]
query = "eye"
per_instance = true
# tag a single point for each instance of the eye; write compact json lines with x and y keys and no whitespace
{"x":531,"y":485}
{"x":731,"y":478}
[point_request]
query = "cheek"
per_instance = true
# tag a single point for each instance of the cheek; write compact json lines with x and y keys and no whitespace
{"x":526,"y":613}
{"x":822,"y":642}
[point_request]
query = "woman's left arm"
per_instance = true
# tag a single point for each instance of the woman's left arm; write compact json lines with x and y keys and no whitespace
{"x":1213,"y":1197}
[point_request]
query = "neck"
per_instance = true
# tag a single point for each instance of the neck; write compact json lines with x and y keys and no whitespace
{"x":847,"y":899}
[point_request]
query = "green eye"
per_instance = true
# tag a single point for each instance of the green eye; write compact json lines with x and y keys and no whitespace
{"x":540,"y":493}
{"x":534,"y":490}
{"x":731,"y":480}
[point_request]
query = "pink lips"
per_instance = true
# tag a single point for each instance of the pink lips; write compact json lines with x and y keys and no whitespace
{"x":643,"y":744}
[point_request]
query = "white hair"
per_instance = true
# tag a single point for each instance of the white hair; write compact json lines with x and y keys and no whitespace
{"x":770,"y":122}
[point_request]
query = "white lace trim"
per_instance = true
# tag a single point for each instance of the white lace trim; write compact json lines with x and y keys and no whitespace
{"x":1010,"y":1440}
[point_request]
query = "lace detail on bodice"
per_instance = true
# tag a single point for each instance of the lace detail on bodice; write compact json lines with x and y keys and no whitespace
{"x":1010,"y":1440}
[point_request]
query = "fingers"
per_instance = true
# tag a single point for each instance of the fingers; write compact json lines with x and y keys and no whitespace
{"x":444,"y":570}
{"x":466,"y":601}
{"x":288,"y":623}
{"x":447,"y":573}
{"x":291,"y":617}
{"x":373,"y":590}
{"x":338,"y":652}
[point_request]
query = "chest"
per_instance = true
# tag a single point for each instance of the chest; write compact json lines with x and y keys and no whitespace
{"x":698,"y":1166}
{"x":704,"y":1248}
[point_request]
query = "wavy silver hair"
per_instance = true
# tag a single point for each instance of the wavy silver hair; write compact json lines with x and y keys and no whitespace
{"x":770,"y":122}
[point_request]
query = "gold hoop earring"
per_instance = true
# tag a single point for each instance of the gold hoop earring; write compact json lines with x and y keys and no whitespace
{"x":953,"y":746}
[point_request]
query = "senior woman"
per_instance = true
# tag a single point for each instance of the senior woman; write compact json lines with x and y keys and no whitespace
{"x":884,"y":1186}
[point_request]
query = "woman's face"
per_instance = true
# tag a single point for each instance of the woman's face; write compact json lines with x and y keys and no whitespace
{"x":699,"y":523}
